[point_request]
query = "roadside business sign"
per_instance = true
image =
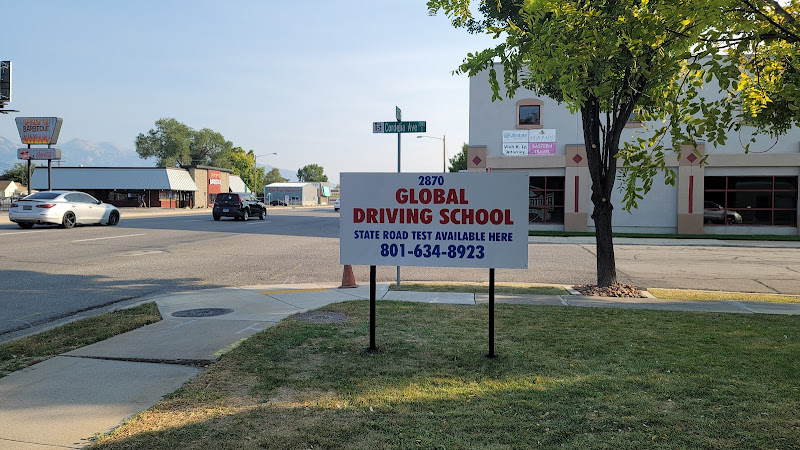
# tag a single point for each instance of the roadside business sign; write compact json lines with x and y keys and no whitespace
{"x":39,"y":153}
{"x":399,"y":127}
{"x":39,"y":130}
{"x":540,"y":141}
{"x":475,"y":220}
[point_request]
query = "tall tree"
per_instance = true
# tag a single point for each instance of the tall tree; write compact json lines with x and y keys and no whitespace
{"x":604,"y":59}
{"x":18,"y":173}
{"x":459,"y":161}
{"x":210,"y":147}
{"x":761,"y":39}
{"x":168,"y":141}
{"x":174,"y":143}
{"x":274,"y":176}
{"x":242,"y":164}
{"x":313,"y":173}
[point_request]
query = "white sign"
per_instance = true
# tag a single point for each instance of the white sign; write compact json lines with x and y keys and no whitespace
{"x":515,"y":136}
{"x":534,"y":142}
{"x":542,"y":135}
{"x":39,"y":153}
{"x":515,"y":149}
{"x":434,"y":219}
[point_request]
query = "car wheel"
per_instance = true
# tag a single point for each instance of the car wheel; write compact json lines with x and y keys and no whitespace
{"x":25,"y":225}
{"x":263,"y":214}
{"x":113,"y":218}
{"x":245,"y":215}
{"x":69,"y":220}
{"x":216,"y":217}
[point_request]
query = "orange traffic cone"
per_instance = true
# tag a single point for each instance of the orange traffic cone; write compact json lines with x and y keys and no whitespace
{"x":348,"y":279}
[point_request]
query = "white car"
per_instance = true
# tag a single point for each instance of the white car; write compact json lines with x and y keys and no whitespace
{"x":336,"y":205}
{"x":65,"y":208}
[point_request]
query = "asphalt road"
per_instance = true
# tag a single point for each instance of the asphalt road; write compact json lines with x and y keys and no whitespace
{"x":49,"y":274}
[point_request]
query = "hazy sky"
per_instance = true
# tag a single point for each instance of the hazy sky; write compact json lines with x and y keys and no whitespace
{"x":305,"y":79}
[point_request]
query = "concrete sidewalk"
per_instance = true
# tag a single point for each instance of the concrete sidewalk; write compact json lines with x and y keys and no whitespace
{"x":62,"y":402}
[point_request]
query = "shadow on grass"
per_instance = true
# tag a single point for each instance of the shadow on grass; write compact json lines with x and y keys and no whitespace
{"x":571,"y":377}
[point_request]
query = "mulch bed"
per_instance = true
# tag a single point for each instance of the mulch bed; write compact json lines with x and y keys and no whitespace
{"x":616,"y":290}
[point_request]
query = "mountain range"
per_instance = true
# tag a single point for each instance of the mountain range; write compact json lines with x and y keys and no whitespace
{"x":81,"y":152}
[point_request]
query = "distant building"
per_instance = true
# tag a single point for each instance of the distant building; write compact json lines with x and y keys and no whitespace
{"x":209,"y":182}
{"x":164,"y":187}
{"x":323,"y":191}
{"x":305,"y":194}
{"x":8,"y":188}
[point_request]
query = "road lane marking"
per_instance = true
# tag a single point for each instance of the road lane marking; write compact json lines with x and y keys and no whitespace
{"x":109,"y":237}
{"x":19,"y":232}
{"x":29,"y":315}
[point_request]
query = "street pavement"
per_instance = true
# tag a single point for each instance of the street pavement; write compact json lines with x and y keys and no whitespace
{"x":64,"y":401}
{"x":582,"y":240}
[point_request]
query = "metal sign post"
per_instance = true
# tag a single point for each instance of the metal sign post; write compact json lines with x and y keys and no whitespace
{"x":491,"y":314}
{"x":398,"y":116}
{"x":372,"y":307}
{"x":399,"y":127}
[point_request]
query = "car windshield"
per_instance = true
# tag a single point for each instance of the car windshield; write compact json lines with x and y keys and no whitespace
{"x":42,"y":196}
{"x":228,"y":199}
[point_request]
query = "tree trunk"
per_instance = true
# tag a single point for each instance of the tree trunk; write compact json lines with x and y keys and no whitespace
{"x":606,"y":263}
{"x":601,"y":156}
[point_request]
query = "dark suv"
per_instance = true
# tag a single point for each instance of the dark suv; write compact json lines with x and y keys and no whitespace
{"x":238,"y":205}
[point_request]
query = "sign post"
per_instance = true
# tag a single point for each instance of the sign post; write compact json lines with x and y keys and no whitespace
{"x":476,"y":220}
{"x":398,"y":127}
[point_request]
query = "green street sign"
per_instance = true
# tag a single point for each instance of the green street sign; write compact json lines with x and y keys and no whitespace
{"x":398,"y":127}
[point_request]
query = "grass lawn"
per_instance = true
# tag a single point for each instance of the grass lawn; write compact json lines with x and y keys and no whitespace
{"x":21,"y":353}
{"x":565,"y":377}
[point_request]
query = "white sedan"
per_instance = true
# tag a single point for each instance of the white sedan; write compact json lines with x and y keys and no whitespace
{"x":336,"y":205}
{"x":65,"y":208}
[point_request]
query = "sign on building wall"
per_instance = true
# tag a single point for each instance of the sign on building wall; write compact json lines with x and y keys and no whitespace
{"x":283,"y":190}
{"x":541,"y":141}
{"x":214,"y":182}
{"x":434,"y":219}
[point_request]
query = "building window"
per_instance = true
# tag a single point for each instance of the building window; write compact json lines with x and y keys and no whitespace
{"x":748,"y":200}
{"x":529,"y":113}
{"x":546,"y":200}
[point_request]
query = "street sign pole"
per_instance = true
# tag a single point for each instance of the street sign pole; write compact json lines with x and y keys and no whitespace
{"x":398,"y":117}
{"x":399,"y":127}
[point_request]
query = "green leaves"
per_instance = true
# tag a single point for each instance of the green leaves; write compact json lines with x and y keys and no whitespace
{"x":174,"y":143}
{"x":312,"y":173}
